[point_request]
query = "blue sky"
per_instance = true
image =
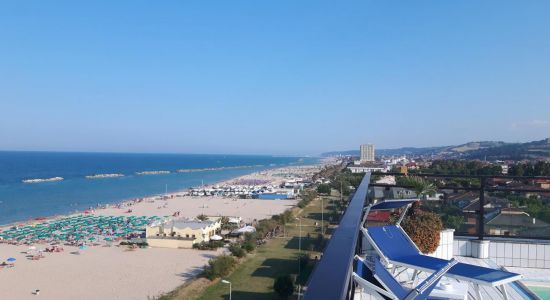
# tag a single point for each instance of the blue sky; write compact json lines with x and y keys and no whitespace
{"x":278,"y":77}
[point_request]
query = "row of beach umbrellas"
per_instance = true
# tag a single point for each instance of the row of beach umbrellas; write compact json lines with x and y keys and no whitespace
{"x":79,"y":228}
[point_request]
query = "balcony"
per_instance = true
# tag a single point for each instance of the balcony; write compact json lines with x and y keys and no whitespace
{"x":515,"y":235}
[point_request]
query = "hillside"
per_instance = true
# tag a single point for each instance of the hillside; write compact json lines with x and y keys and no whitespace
{"x":490,"y":150}
{"x":517,"y":151}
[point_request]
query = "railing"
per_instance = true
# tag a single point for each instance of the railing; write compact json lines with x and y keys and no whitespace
{"x":331,"y":278}
{"x":486,"y":201}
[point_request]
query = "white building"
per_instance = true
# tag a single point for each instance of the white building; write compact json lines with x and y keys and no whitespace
{"x":367,"y":152}
{"x":367,"y":168}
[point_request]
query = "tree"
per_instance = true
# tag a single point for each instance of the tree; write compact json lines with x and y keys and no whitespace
{"x":202,"y":217}
{"x":323,"y":189}
{"x":284,"y":286}
{"x":454,"y":222}
{"x":219,"y":267}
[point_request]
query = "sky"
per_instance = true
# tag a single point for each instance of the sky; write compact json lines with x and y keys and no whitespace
{"x":271,"y":77}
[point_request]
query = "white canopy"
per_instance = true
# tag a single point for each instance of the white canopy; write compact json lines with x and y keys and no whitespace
{"x":246,"y":229}
{"x":216,"y":237}
{"x":234,"y":220}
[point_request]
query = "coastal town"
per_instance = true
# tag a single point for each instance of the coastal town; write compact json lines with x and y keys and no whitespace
{"x":275,"y":150}
{"x":111,"y":237}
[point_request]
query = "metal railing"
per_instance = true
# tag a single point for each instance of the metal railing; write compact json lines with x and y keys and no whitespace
{"x":482,"y":189}
{"x":331,"y":278}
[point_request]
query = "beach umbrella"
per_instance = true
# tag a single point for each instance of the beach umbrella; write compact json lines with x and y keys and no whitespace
{"x":11,"y":260}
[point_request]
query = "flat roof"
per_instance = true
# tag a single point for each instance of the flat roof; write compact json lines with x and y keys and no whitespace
{"x":193,"y":224}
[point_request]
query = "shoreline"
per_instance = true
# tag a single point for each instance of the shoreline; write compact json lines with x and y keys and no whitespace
{"x":46,"y":218}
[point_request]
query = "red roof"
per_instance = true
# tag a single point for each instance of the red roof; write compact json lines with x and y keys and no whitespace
{"x":379,"y":216}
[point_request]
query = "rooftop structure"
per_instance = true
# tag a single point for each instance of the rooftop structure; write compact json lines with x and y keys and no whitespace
{"x":363,"y":167}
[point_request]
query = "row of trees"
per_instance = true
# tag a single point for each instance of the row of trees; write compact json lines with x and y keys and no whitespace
{"x":540,"y":168}
{"x":462,"y":167}
{"x":534,"y":206}
{"x":345,"y":179}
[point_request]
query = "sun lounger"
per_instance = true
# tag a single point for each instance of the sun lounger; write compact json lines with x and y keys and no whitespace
{"x":380,"y":283}
{"x":395,"y":247}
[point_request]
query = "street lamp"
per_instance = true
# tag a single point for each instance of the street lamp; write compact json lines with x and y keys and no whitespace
{"x":228,"y":282}
{"x":299,"y":246}
{"x":299,"y":255}
{"x":300,"y":239}
{"x":322,"y":217}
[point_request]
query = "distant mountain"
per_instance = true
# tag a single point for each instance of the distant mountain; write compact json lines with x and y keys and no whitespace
{"x":490,"y":150}
{"x":515,"y":151}
{"x":410,"y":151}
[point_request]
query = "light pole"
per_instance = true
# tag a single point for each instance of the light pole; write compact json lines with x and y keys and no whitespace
{"x":228,"y":282}
{"x":322,"y":217}
{"x":299,"y":256}
{"x":300,"y":239}
{"x":299,"y":246}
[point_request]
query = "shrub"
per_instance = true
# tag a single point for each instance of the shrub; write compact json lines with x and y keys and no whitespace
{"x":284,"y":286}
{"x":307,"y":196}
{"x":250,"y":237}
{"x":250,"y":241}
{"x":423,"y":228}
{"x":249,"y":247}
{"x":265,"y":226}
{"x":285,"y":217}
{"x":237,"y":251}
{"x":219,"y":267}
{"x":212,"y":245}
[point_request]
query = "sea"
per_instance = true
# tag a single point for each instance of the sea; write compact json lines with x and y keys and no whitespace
{"x":24,"y":201}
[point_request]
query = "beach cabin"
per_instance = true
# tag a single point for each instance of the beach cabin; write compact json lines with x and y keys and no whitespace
{"x":180,"y":233}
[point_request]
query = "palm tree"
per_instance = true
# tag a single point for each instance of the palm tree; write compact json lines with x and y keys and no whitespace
{"x":421,"y":187}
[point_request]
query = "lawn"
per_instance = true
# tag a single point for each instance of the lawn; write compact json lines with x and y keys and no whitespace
{"x":253,"y":279}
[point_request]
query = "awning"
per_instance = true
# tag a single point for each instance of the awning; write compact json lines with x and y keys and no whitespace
{"x":392,"y":204}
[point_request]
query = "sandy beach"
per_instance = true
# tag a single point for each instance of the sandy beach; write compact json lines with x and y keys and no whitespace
{"x":102,"y":272}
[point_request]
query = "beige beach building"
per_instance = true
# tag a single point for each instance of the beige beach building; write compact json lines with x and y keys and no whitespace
{"x":180,"y":233}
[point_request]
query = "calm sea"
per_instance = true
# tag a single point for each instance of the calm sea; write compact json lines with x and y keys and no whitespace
{"x":20,"y":201}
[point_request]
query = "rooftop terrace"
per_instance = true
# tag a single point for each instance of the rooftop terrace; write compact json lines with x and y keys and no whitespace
{"x":513,"y":250}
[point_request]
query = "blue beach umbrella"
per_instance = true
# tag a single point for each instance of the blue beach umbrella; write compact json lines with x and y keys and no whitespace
{"x":11,"y":259}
